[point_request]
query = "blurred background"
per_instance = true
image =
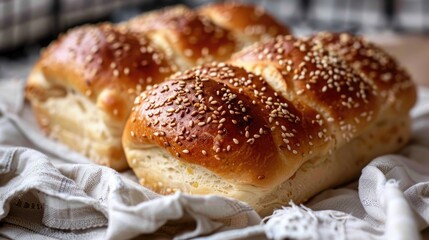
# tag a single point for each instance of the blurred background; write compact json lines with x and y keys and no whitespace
{"x":26,"y":26}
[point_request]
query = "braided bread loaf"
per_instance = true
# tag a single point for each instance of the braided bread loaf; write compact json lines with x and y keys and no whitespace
{"x":83,"y":86}
{"x":281,"y":120}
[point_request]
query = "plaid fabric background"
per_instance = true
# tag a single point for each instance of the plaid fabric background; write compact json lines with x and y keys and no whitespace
{"x":27,"y":21}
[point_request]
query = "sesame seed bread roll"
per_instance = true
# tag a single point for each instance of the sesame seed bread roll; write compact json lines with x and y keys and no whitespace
{"x":248,"y":23}
{"x":217,"y":107}
{"x":187,"y":38}
{"x":83,"y":86}
{"x":282,"y":120}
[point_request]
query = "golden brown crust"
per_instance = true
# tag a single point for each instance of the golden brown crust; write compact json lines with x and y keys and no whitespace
{"x":244,"y":21}
{"x":191,"y":36}
{"x":317,"y":78}
{"x":107,"y":65}
{"x":390,"y":79}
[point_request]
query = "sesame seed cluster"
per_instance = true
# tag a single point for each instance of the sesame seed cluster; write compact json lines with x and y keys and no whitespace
{"x":319,"y":79}
{"x":373,"y":64}
{"x":105,"y":55}
{"x":367,"y":59}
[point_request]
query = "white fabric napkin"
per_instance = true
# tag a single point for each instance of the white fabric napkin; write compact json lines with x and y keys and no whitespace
{"x":50,"y":192}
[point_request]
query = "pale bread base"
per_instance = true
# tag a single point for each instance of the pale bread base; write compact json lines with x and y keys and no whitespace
{"x":77,"y":122}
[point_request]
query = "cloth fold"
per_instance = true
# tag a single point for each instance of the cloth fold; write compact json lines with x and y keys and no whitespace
{"x":81,"y":197}
{"x":50,"y":192}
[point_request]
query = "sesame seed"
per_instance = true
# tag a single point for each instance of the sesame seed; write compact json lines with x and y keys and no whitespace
{"x":185,"y":151}
{"x":126,"y":71}
{"x":235,"y":141}
{"x":324,"y":88}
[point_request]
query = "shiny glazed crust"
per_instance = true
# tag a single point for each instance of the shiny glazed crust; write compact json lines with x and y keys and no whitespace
{"x":187,"y":38}
{"x":247,"y":23}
